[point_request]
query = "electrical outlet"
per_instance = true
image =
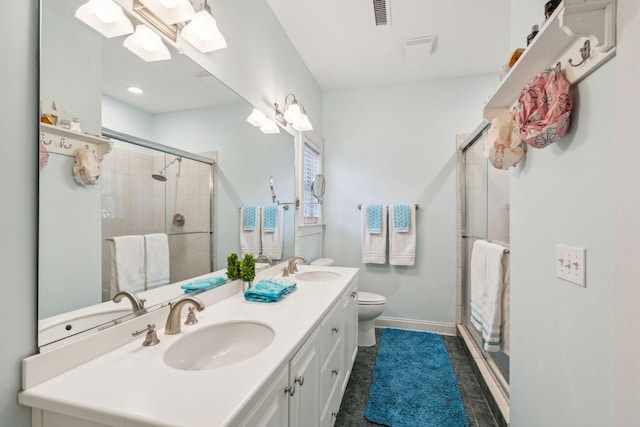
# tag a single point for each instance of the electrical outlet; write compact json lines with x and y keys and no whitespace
{"x":571,"y":264}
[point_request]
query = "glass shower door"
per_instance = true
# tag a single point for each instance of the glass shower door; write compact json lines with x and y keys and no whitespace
{"x":485,"y":216}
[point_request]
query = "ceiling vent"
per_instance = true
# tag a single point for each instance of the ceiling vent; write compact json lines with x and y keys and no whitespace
{"x":420,"y":47}
{"x":381,"y":12}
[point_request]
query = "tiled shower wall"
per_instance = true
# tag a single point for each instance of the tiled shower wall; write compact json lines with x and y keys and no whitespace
{"x":134,"y":203}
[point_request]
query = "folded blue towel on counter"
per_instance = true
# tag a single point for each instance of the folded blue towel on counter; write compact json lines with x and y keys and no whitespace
{"x":270,"y":290}
{"x":401,"y":218}
{"x":202,"y":284}
{"x":270,"y":220}
{"x":249,"y":218}
{"x":374,"y":219}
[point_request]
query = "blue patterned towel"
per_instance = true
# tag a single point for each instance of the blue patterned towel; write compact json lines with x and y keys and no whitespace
{"x":270,"y":218}
{"x":374,"y":219}
{"x":270,"y":290}
{"x":402,"y":218}
{"x":202,"y":284}
{"x":249,"y":218}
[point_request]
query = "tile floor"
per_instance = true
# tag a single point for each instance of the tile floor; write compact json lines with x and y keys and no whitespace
{"x":355,"y":397}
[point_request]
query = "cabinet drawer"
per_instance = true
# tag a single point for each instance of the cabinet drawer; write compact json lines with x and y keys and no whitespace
{"x":330,"y":374}
{"x":330,"y":330}
{"x":330,"y":414}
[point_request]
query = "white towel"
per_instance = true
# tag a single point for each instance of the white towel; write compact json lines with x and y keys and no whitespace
{"x":272,"y":242}
{"x":487,"y":289}
{"x":402,"y":245}
{"x":157,"y":264}
{"x":250,"y":239}
{"x":374,"y":246}
{"x":127,"y":264}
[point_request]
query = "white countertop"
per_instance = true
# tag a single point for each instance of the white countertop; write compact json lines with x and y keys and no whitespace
{"x":132,"y":385}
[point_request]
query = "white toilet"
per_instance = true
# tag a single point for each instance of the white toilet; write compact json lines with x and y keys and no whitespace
{"x":370,"y":306}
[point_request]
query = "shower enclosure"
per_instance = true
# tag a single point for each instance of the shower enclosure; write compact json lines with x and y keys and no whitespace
{"x":150,"y":188}
{"x":484,"y":215}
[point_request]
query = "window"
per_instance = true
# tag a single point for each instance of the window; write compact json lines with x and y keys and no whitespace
{"x":310,"y":168}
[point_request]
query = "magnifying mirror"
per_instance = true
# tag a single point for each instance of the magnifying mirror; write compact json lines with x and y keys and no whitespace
{"x":317,"y":187}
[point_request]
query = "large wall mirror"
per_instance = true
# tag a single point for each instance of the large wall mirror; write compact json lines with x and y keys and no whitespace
{"x":187,"y":129}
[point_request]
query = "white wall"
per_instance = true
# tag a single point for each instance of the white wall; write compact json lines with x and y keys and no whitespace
{"x":18,"y":186}
{"x":627,"y":267}
{"x":396,"y":144}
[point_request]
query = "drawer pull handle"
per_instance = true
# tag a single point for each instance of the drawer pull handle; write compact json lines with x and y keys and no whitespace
{"x":299,"y":380}
{"x":335,"y":330}
{"x":335,"y":371}
{"x":291,"y":389}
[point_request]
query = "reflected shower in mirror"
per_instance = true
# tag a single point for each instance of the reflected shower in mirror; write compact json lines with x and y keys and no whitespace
{"x":186,"y":112}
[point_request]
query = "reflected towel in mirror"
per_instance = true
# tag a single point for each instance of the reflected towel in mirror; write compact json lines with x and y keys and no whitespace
{"x":127,"y":264}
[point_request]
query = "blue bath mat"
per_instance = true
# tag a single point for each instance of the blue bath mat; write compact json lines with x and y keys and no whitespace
{"x":413,"y":383}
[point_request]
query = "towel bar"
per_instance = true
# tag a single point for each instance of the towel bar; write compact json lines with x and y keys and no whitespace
{"x":416,"y":205}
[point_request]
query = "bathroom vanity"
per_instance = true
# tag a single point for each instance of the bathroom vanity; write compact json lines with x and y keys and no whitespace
{"x":296,"y":377}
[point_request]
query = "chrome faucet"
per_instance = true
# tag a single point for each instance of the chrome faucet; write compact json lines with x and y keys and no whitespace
{"x":293,"y":265}
{"x":175,"y":308}
{"x":136,"y":302}
{"x":267,"y":258}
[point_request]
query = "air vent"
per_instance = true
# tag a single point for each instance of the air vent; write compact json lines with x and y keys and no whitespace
{"x":420,"y":47}
{"x":381,"y":12}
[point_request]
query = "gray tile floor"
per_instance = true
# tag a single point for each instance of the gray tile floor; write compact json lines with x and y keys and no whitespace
{"x":355,"y":397}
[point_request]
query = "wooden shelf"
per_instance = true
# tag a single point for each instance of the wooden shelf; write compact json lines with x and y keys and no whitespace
{"x":67,"y":142}
{"x":559,"y":40}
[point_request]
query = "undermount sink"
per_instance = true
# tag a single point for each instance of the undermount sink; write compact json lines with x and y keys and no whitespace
{"x":218,"y":345}
{"x":317,"y":276}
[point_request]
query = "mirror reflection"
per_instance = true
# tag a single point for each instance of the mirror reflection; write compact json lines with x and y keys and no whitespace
{"x":181,"y":163}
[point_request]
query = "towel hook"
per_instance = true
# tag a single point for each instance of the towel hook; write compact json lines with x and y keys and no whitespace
{"x":585,"y":53}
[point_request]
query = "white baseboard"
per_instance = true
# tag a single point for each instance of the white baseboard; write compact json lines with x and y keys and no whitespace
{"x":416,"y":325}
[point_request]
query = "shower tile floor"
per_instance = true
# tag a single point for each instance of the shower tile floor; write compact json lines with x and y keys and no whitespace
{"x":355,"y":397}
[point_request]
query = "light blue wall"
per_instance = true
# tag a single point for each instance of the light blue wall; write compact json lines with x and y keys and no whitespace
{"x":397,"y":144}
{"x":562,"y":334}
{"x":18,"y":186}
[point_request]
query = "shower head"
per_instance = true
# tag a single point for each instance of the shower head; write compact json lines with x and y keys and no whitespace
{"x":160,"y":176}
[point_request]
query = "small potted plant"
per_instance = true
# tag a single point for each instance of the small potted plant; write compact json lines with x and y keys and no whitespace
{"x":247,"y":271}
{"x":233,"y":267}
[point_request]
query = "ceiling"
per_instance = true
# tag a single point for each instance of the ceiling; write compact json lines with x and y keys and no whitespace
{"x":342,"y":47}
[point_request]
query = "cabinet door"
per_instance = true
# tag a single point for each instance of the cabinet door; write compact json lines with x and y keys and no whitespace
{"x":304,"y":374}
{"x":350,"y":329}
{"x":273,"y":409}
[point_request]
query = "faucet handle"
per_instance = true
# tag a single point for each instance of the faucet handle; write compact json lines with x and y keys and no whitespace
{"x":191,"y":317}
{"x":285,"y":272}
{"x":151,"y":338}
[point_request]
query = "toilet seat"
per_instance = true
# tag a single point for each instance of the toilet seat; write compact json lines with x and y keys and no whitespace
{"x":367,"y":298}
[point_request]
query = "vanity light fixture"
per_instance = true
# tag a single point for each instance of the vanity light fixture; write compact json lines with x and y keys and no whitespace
{"x":293,"y":113}
{"x":202,"y":32}
{"x":106,"y":17}
{"x":259,"y":119}
{"x":148,"y":45}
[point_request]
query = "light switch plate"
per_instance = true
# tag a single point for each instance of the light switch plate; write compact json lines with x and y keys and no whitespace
{"x":571,"y":264}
